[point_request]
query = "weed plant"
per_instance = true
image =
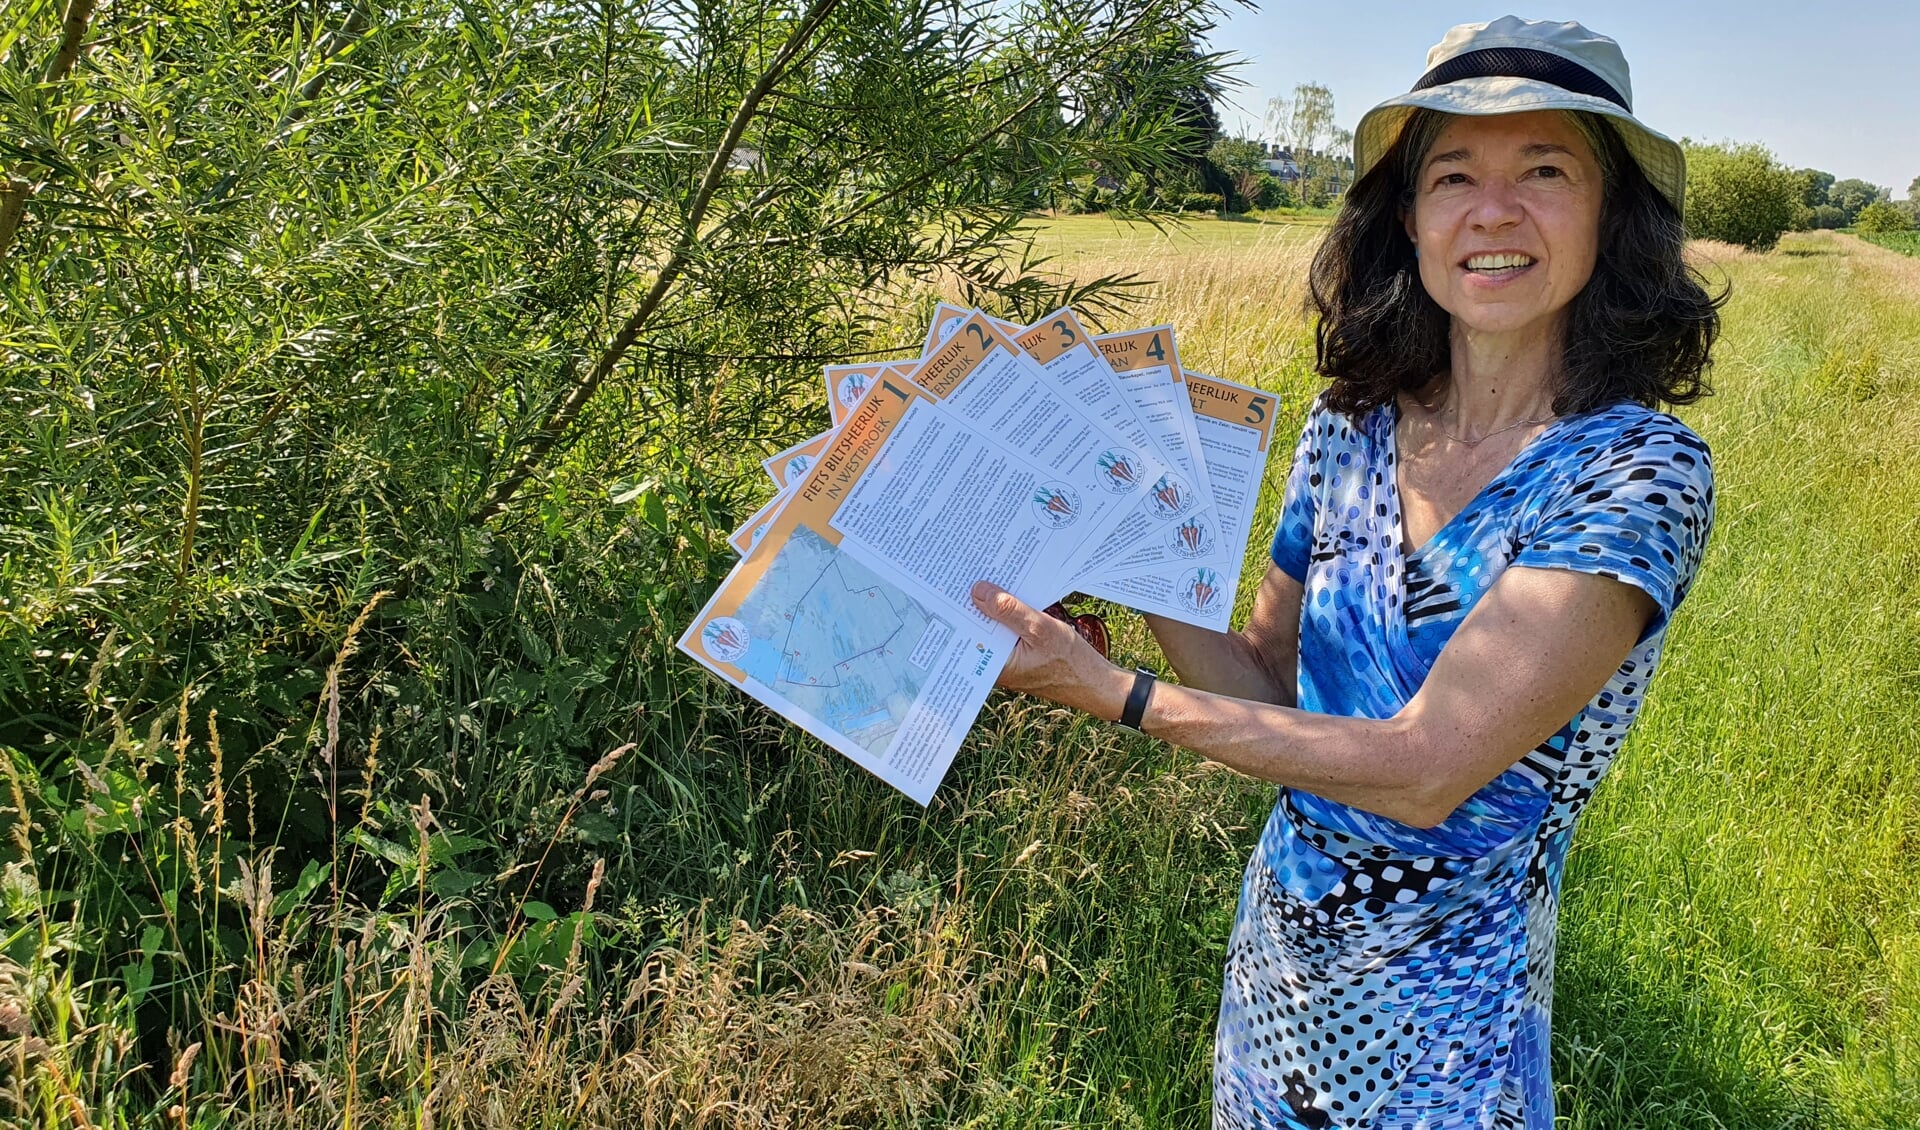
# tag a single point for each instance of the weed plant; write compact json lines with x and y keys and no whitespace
{"x":1905,"y":242}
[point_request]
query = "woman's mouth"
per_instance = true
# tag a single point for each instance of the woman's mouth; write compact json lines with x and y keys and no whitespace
{"x":1499,"y":266}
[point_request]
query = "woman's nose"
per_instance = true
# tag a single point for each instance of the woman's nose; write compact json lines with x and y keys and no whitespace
{"x":1496,"y":205}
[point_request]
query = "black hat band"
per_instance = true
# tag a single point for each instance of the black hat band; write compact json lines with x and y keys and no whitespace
{"x":1523,"y":62}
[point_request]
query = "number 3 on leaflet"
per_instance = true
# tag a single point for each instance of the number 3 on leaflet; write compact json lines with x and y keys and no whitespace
{"x":1067,"y":336}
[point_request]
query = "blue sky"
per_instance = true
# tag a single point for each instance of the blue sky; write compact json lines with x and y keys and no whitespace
{"x":1836,"y":87}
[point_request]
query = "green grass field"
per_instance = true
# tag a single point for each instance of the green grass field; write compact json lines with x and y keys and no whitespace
{"x":1740,"y":935}
{"x":1073,"y":240}
{"x":1741,"y":931}
{"x":1740,"y":939}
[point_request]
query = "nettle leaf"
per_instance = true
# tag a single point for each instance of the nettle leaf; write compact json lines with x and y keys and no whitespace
{"x":443,"y":846}
{"x":137,"y":977}
{"x":450,"y":881}
{"x":311,"y":876}
{"x":402,"y":879}
{"x":386,"y":849}
{"x":595,"y":828}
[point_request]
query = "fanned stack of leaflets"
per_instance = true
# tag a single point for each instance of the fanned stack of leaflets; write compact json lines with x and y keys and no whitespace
{"x":1043,"y":458}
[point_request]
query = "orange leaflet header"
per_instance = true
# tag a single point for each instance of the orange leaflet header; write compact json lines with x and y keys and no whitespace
{"x":1233,"y":404}
{"x":1140,"y":349}
{"x":954,"y":361}
{"x":870,"y":369}
{"x":855,"y":445}
{"x":1052,"y":335}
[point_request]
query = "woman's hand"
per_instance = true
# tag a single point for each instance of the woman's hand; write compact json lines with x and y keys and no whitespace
{"x":1050,"y":660}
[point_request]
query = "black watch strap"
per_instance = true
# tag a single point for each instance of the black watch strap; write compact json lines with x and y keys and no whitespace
{"x":1136,"y":707}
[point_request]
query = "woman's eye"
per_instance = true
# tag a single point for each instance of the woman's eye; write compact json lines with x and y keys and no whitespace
{"x":1548,"y":171}
{"x":1451,"y":178}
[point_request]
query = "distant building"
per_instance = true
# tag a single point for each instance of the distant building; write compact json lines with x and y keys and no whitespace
{"x":1280,"y":163}
{"x":1335,"y":171}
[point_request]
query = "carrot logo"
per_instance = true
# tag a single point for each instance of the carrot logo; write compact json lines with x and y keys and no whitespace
{"x":1121,"y":469}
{"x":853,"y":386}
{"x":725,"y":638}
{"x":1191,"y":538}
{"x":1200,"y":589}
{"x":1170,"y":496}
{"x":1056,"y":504}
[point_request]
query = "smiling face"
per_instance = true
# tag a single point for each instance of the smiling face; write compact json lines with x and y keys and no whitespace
{"x":1506,"y":217}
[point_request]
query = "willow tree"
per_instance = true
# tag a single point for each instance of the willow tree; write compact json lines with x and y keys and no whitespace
{"x":489,"y":306}
{"x":256,"y":251}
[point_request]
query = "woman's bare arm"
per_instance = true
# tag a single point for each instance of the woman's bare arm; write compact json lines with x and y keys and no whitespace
{"x":1257,"y":663}
{"x":1539,"y":645}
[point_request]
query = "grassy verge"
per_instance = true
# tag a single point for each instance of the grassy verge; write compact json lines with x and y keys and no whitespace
{"x":1079,"y":244}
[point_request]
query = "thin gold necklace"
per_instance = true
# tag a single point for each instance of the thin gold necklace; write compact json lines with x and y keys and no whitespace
{"x":1477,"y":442}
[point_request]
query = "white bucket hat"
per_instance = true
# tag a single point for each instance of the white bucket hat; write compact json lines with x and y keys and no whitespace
{"x":1513,"y":65}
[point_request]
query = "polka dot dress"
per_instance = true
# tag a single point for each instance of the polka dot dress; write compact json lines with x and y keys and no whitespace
{"x":1385,"y":976}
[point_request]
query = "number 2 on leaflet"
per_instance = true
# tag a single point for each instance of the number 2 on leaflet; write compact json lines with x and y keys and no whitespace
{"x":979,"y":334}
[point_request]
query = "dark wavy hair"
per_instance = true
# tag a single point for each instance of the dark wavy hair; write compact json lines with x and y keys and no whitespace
{"x":1641,"y":330}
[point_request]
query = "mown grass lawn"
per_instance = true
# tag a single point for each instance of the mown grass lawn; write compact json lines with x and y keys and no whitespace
{"x":1075,"y":240}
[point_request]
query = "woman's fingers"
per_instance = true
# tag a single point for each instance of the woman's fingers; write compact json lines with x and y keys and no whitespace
{"x":1009,"y":610}
{"x":1041,"y":657}
{"x":1051,"y":660}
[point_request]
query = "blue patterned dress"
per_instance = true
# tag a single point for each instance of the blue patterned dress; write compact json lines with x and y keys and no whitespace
{"x":1396,"y":978}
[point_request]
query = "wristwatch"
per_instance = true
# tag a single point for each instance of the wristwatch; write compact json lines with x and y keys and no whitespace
{"x":1136,"y":707}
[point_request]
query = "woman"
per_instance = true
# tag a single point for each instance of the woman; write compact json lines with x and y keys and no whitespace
{"x":1485,"y":530}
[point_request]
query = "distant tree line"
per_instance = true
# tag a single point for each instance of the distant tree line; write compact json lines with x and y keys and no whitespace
{"x":1736,"y":192}
{"x":1742,"y":193}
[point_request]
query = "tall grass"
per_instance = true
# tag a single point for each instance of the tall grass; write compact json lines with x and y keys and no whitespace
{"x":717,"y":923}
{"x":1743,"y":894}
{"x":1740,"y":937}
